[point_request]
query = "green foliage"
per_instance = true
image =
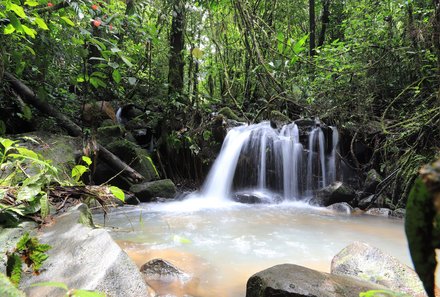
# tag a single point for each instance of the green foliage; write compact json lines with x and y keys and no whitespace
{"x":7,"y":289}
{"x":382,"y":293}
{"x":70,"y":292}
{"x":28,"y":251}
{"x":79,"y":170}
{"x":118,"y":193}
{"x":32,"y":172}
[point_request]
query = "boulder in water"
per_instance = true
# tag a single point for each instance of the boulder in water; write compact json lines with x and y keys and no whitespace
{"x":342,"y":207}
{"x":255,"y":198}
{"x":146,"y":191}
{"x":380,"y":212}
{"x":368,"y":263}
{"x":293,"y":280}
{"x":337,"y":192}
{"x":162,"y":270}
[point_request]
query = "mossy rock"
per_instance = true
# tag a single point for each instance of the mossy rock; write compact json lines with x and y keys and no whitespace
{"x":279,"y":117}
{"x":147,"y":191}
{"x":136,"y":157}
{"x":230,"y":114}
{"x":108,"y":134}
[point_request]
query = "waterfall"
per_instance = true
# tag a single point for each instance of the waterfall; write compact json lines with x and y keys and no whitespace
{"x":219,"y":180}
{"x":332,"y":160}
{"x":260,"y":158}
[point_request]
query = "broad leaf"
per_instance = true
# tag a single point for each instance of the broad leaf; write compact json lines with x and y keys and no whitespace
{"x":118,"y":193}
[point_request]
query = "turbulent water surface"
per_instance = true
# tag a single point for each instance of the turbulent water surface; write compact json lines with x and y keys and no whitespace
{"x":221,"y":245}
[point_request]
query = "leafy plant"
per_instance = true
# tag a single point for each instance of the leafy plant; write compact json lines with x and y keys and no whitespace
{"x":79,"y":170}
{"x":24,"y":180}
{"x":28,"y":251}
{"x":70,"y":292}
{"x":382,"y":293}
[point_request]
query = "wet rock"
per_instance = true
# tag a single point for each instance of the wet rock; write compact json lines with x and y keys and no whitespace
{"x":297,"y":281}
{"x":399,"y":213}
{"x":365,"y":202}
{"x":252,"y":198}
{"x":146,"y":191}
{"x":162,"y":270}
{"x":368,"y":263}
{"x":335,"y":193}
{"x":373,"y":179}
{"x":86,"y":258}
{"x":342,"y":207}
{"x":380,"y":212}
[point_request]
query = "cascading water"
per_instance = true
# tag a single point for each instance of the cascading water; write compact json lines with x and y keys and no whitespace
{"x":261,"y":158}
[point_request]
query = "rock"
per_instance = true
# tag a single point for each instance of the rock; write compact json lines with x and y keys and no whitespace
{"x":131,"y":199}
{"x":84,"y":258}
{"x":63,"y":150}
{"x":398,"y":213}
{"x":253,"y":198}
{"x":365,"y":202}
{"x":229,"y":114}
{"x":368,"y":263}
{"x":380,"y":212}
{"x":108,"y":134}
{"x":297,"y":281}
{"x":335,"y":193}
{"x":342,"y":207}
{"x":146,"y":191}
{"x":159,"y":269}
{"x":279,"y":117}
{"x":372,"y":180}
{"x":137,"y":157}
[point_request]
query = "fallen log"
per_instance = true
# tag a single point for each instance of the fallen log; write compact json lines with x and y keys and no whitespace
{"x":72,"y":128}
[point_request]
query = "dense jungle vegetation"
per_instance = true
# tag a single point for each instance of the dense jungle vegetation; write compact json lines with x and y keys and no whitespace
{"x":369,"y":67}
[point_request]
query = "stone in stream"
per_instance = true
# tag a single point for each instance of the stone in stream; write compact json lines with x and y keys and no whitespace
{"x":147,"y":191}
{"x":335,"y":193}
{"x":297,"y":281}
{"x":380,"y":212}
{"x":368,"y":263}
{"x":342,"y":207}
{"x":162,"y":270}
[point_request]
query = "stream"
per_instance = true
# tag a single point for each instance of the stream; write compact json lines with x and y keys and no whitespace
{"x":221,"y":245}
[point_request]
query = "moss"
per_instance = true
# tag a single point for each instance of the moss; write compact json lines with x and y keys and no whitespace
{"x":136,"y":157}
{"x":230,"y":114}
{"x":145,"y":192}
{"x":278,"y":116}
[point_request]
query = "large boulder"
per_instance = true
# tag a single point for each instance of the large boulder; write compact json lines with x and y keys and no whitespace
{"x":364,"y":262}
{"x":147,"y":191}
{"x":297,"y":281}
{"x":136,"y":157}
{"x":337,"y":192}
{"x":84,"y":258}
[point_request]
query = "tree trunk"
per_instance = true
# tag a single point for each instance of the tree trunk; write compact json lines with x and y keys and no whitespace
{"x":325,"y":19}
{"x":312,"y":28}
{"x":177,"y":44}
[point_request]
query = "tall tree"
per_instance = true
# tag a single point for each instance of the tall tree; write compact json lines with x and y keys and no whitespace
{"x":177,"y":44}
{"x":312,"y":27}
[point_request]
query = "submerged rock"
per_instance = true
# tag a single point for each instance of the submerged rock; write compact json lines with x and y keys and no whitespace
{"x":380,"y":212}
{"x":297,"y":281}
{"x":162,"y":270}
{"x":146,"y":191}
{"x":342,"y":207}
{"x":335,"y":193}
{"x":368,"y":263}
